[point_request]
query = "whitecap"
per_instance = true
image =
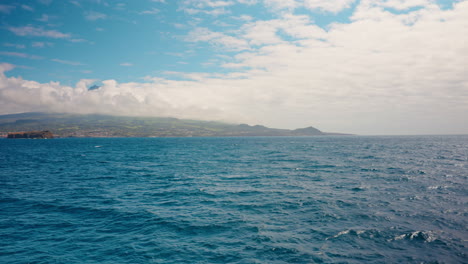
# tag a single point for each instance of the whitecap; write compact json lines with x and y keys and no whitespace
{"x":426,"y":236}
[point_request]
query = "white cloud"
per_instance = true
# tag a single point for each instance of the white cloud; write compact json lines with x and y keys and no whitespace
{"x":93,"y":16}
{"x":404,"y":4}
{"x":179,"y":26}
{"x":126,"y":64}
{"x":144,"y":99}
{"x":40,"y":44}
{"x":6,"y":67}
{"x":300,"y":27}
{"x":20,"y":55}
{"x":67,"y":62}
{"x":78,"y":40}
{"x":28,"y":8}
{"x":281,"y":4}
{"x":218,"y":39}
{"x":213,"y":12}
{"x":248,"y":2}
{"x":219,"y":3}
{"x":267,"y":32}
{"x":76,"y":3}
{"x":208,"y":7}
{"x":120,"y":6}
{"x":44,"y":18}
{"x":207,"y":3}
{"x":333,"y":6}
{"x":262,"y":32}
{"x":18,"y":46}
{"x":152,"y":11}
{"x":244,"y":17}
{"x":37,"y":32}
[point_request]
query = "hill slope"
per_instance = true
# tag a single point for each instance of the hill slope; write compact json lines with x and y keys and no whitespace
{"x":74,"y":125}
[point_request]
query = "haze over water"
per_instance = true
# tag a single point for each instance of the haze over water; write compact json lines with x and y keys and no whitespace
{"x":234,"y":200}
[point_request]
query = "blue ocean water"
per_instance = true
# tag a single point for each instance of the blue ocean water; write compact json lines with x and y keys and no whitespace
{"x":234,"y":200}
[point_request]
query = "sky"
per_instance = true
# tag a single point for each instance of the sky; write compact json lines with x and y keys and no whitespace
{"x":370,"y":67}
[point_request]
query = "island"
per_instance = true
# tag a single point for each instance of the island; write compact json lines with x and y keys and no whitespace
{"x":96,"y":125}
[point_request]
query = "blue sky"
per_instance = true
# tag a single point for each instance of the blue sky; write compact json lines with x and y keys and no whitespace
{"x":274,"y":62}
{"x":122,"y":40}
{"x":100,"y":38}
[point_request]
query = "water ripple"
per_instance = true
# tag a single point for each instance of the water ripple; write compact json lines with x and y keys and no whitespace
{"x":234,"y":200}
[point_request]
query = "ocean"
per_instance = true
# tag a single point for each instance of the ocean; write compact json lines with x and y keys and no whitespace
{"x":330,"y":199}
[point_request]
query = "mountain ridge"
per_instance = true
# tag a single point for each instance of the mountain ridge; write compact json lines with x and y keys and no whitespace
{"x":99,"y":125}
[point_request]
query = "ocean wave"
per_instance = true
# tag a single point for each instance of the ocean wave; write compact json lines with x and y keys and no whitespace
{"x":236,"y":200}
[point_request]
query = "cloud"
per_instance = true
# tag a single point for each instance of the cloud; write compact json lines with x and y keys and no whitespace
{"x":37,"y":32}
{"x":152,"y":11}
{"x":20,"y":55}
{"x":44,"y":18}
{"x":111,"y":97}
{"x":39,"y":44}
{"x":18,"y":46}
{"x":93,"y":16}
{"x":179,"y":26}
{"x":126,"y":64}
{"x":218,"y":39}
{"x":281,"y":4}
{"x":6,"y":67}
{"x":78,"y":40}
{"x":218,"y":3}
{"x":260,"y":33}
{"x":76,"y":3}
{"x":403,"y":4}
{"x":208,"y":7}
{"x":41,"y":32}
{"x":248,"y":2}
{"x":213,"y":12}
{"x":333,"y":6}
{"x":28,"y":8}
{"x":120,"y":6}
{"x":73,"y":63}
{"x":377,"y":74}
{"x":244,"y":17}
{"x":6,"y":9}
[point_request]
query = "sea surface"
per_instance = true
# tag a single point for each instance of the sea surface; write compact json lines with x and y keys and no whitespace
{"x":342,"y":199}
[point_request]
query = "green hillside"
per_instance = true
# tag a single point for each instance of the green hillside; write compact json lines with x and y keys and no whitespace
{"x":74,"y":125}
